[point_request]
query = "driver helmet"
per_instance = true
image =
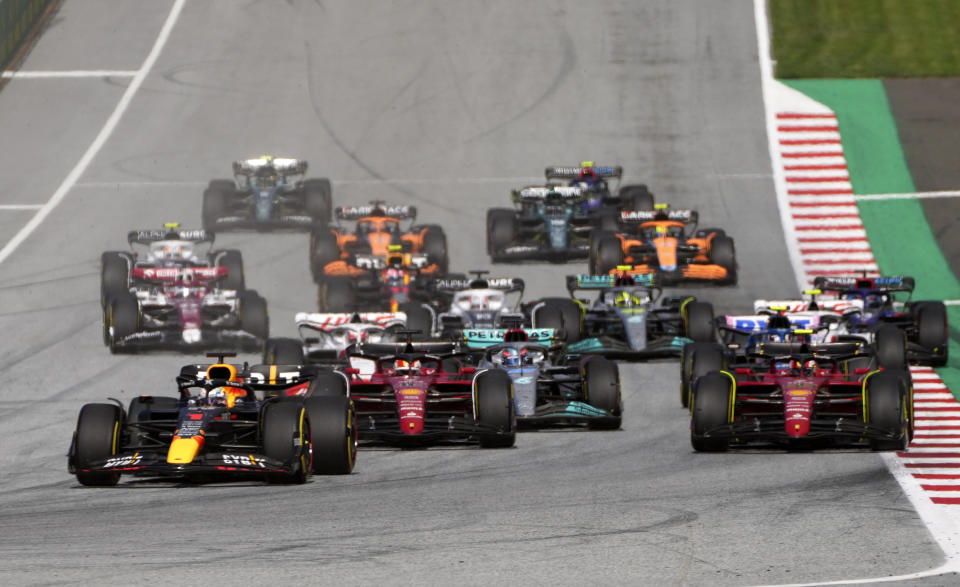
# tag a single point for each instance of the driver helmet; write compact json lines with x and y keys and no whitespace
{"x":625,"y":299}
{"x":510,"y":357}
{"x":216,"y":397}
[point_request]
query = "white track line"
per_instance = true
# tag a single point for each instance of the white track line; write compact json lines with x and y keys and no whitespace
{"x":20,"y":206}
{"x":913,"y":196}
{"x":101,"y":138}
{"x":67,"y":74}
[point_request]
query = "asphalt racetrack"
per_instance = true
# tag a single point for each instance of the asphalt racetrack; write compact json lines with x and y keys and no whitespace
{"x":445,"y":105}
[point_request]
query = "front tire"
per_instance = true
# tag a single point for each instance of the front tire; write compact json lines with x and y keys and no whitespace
{"x":711,"y":404}
{"x":564,"y":316}
{"x":232,"y":259}
{"x":601,"y":379}
{"x":699,"y":322}
{"x":501,"y":230}
{"x":317,"y":200}
{"x":495,"y":408}
{"x":333,"y":434}
{"x":114,"y":276}
{"x":215,"y":200}
{"x":887,"y":408}
{"x":97,"y":438}
{"x":286,"y":438}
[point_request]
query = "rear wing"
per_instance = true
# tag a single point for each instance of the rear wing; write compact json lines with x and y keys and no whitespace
{"x":384,"y":349}
{"x":479,"y":338}
{"x":178,"y":274}
{"x":758,"y":322}
{"x":410,"y":261}
{"x":326,"y":321}
{"x":793,"y":306}
{"x":879,"y":284}
{"x":505,"y":284}
{"x":596,"y":282}
{"x":544,"y":193}
{"x":637,"y":216}
{"x":574,"y":172}
{"x":375,"y":209}
{"x":282,"y":165}
{"x":146,"y":237}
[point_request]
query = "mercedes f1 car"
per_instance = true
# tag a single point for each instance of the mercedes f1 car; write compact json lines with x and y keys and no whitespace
{"x":802,"y":394}
{"x":627,"y":319}
{"x":267,"y":193}
{"x":665,"y":243}
{"x":335,"y":252}
{"x":226,"y":421}
{"x":417,"y":393}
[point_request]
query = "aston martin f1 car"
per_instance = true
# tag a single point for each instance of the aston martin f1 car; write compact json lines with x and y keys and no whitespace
{"x":225,"y":421}
{"x":627,"y":319}
{"x":417,"y":393}
{"x":336,"y":252}
{"x":267,"y":193}
{"x":803,"y":394}
{"x":583,"y":390}
{"x":665,"y":243}
{"x":325,"y":336}
{"x":548,"y":223}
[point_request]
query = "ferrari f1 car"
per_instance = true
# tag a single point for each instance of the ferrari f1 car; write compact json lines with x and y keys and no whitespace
{"x":226,"y":421}
{"x":335,"y":252}
{"x":325,"y":336}
{"x":665,"y":243}
{"x":418,"y":393}
{"x":801,"y":394}
{"x":267,"y":193}
{"x":584,"y":390}
{"x":627,"y":319}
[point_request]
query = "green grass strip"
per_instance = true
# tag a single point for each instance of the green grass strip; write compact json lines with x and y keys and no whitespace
{"x":865,"y":38}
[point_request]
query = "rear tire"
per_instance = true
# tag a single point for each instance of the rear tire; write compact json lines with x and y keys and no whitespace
{"x":699,"y":322}
{"x":232,"y":259}
{"x":253,"y":314}
{"x":891,"y":344}
{"x":887,"y":408}
{"x":283,"y":351}
{"x":608,"y":255}
{"x":601,"y":379}
{"x":418,"y":318}
{"x":636,"y":197}
{"x":336,"y":295}
{"x":933,"y":332}
{"x":564,"y":316}
{"x":324,"y":249}
{"x":501,"y":229}
{"x":711,"y":403}
{"x":495,"y":408}
{"x":333,"y":434}
{"x":317,"y":200}
{"x":97,"y":438}
{"x":435,"y":247}
{"x":286,"y":438}
{"x":722,"y":253}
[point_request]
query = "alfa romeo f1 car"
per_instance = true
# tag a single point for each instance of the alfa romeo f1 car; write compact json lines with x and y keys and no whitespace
{"x":325,"y":336}
{"x":267,"y":193}
{"x":801,"y":394}
{"x":665,"y":243}
{"x":418,"y":393}
{"x":627,"y":319}
{"x":584,"y":390}
{"x":226,"y":421}
{"x":335,"y":252}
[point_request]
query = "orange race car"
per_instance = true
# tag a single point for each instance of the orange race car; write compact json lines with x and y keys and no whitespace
{"x":666,"y":243}
{"x":335,"y":252}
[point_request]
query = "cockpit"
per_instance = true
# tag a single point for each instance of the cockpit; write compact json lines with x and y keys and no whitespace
{"x":516,"y":357}
{"x":367,"y":225}
{"x":485,"y":299}
{"x":171,"y":251}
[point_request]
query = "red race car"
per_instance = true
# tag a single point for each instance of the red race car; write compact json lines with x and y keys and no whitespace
{"x":419,"y":393}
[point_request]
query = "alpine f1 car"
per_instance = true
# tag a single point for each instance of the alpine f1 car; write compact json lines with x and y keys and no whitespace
{"x":585,"y":390}
{"x":335,"y":252}
{"x":267,"y":193}
{"x":226,"y":421}
{"x":325,"y":336}
{"x":875,"y":305}
{"x":417,"y":393}
{"x":626,"y":320}
{"x":801,"y":394}
{"x":665,"y":243}
{"x":600,"y":196}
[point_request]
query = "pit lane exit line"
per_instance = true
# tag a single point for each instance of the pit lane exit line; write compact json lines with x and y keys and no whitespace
{"x":14,"y":243}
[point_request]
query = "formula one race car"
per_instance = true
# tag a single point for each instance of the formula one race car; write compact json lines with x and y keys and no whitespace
{"x":585,"y":390}
{"x":335,"y":252}
{"x":548,"y":222}
{"x":869,"y":303}
{"x":267,"y":193}
{"x":325,"y":336}
{"x":226,"y":421}
{"x":627,"y":320}
{"x":593,"y":178}
{"x":667,"y":244}
{"x":456,"y":303}
{"x":418,"y":393}
{"x":803,"y":394}
{"x":389,"y":282}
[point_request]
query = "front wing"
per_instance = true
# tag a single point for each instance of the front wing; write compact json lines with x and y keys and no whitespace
{"x":238,"y":463}
{"x":214,"y":339}
{"x":614,"y":348}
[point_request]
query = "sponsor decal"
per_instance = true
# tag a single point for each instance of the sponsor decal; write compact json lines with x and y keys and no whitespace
{"x":127,"y":461}
{"x":243,"y":461}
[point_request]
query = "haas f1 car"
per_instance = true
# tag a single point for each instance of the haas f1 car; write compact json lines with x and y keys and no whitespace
{"x":325,"y":336}
{"x":226,"y":421}
{"x":665,"y":243}
{"x":267,"y":193}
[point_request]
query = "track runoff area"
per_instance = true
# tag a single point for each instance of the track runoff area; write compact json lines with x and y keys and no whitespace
{"x":825,"y":236}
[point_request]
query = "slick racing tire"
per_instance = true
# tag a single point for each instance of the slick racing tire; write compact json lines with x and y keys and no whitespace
{"x":699,"y":358}
{"x":501,"y":229}
{"x":722,"y":253}
{"x":253,"y":314}
{"x":636,"y":197}
{"x":123,"y":318}
{"x":114,"y":276}
{"x":99,"y":427}
{"x":887,"y":408}
{"x":333,"y":434}
{"x":609,"y":220}
{"x":215,"y":200}
{"x":286,"y":437}
{"x":232,"y":260}
{"x":418,"y":318}
{"x":601,"y":379}
{"x":328,"y":384}
{"x":699,"y":322}
{"x":317,"y":200}
{"x":711,"y":404}
{"x":283,"y":351}
{"x":607,"y":255}
{"x":564,"y":316}
{"x":435,"y":247}
{"x":337,"y":295}
{"x":495,"y":408}
{"x":324,"y":249}
{"x":891,"y":344}
{"x":932,"y":331}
